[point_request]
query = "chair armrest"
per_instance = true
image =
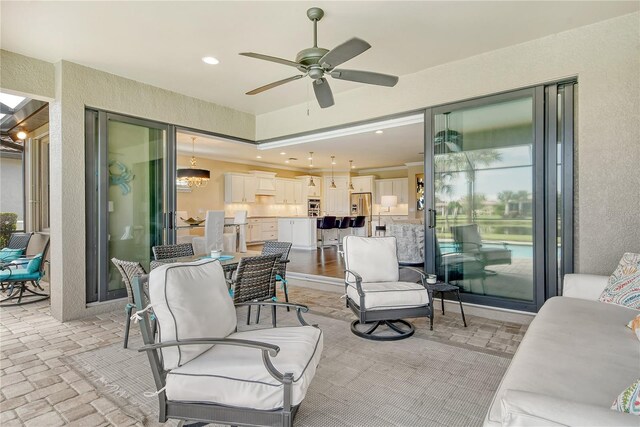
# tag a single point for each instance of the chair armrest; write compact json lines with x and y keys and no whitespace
{"x":268,"y":350}
{"x":422,"y":274}
{"x":300,"y":308}
{"x":521,"y":408}
{"x":358,"y":281}
{"x":584,"y":286}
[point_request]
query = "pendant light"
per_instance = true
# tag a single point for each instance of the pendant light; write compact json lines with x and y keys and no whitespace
{"x":350,"y":183}
{"x":193,"y":176}
{"x":333,"y":183}
{"x":311,"y":183}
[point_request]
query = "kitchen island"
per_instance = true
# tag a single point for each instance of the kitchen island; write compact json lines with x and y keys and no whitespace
{"x":299,"y":230}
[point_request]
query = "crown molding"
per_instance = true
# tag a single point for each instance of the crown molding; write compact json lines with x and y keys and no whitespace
{"x":246,"y":162}
{"x":388,"y":168}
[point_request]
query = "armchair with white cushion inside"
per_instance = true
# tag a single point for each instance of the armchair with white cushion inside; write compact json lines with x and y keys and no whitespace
{"x":205,"y":370}
{"x":375,"y":293}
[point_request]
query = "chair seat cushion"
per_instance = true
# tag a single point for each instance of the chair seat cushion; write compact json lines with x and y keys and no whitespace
{"x":18,"y":274}
{"x":236,"y":376}
{"x":390,"y":295}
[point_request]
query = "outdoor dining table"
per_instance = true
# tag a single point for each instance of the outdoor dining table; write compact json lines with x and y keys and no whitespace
{"x":228,"y":264}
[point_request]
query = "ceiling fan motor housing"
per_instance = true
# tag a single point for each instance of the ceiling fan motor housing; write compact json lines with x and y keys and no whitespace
{"x":310,"y":55}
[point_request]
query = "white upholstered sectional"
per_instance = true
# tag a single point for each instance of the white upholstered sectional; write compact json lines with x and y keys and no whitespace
{"x":575,"y":359}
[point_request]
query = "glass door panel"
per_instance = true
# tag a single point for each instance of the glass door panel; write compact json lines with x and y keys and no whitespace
{"x":135,"y":161}
{"x":484,"y":197}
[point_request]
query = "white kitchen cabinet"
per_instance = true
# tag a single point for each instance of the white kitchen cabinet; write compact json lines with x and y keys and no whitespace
{"x":393,"y":187}
{"x":336,"y":200}
{"x":280,"y":191}
{"x":297,"y":192}
{"x":269,"y":227}
{"x":239,"y":188}
{"x":288,"y":191}
{"x":299,"y":231}
{"x":363,"y":184}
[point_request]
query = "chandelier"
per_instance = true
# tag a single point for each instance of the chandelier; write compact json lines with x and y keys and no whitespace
{"x":193,"y":177}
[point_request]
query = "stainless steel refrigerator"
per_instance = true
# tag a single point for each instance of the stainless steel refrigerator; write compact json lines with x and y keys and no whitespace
{"x":362,"y":204}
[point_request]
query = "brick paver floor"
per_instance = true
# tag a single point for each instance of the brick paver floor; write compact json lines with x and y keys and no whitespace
{"x":39,"y":389}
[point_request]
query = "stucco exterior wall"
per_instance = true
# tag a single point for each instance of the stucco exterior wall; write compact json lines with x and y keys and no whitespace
{"x":28,"y":76}
{"x":606,"y":59}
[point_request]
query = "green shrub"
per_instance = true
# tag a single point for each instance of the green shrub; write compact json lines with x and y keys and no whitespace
{"x":8,"y":222}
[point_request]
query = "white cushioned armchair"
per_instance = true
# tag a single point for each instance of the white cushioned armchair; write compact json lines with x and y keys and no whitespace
{"x":204,"y":368}
{"x":375,"y":293}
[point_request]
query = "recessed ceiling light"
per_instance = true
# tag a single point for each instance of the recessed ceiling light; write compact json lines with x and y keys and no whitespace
{"x":258,"y":157}
{"x":379,"y":131}
{"x":210,"y":60}
{"x":22,"y":135}
{"x":282,"y":153}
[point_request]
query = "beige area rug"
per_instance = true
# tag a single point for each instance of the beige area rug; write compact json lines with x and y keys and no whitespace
{"x":413,"y":382}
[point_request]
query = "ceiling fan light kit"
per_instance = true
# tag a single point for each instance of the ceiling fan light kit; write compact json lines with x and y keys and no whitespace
{"x":317,"y":62}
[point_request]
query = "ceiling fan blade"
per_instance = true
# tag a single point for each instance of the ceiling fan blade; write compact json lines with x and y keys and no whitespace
{"x":274,"y":84}
{"x":274,"y":59}
{"x":342,"y":53}
{"x":365,"y":77}
{"x":323,"y":93}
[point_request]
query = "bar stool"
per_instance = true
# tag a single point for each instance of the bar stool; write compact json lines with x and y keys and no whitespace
{"x":358,"y":222}
{"x":327,"y":223}
{"x":344,"y":224}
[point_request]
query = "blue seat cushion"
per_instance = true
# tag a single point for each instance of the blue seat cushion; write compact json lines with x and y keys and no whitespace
{"x":34,"y":264}
{"x":8,"y":255}
{"x":18,"y":274}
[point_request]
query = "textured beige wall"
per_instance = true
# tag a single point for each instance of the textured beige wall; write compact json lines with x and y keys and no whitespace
{"x":606,"y":59}
{"x":77,"y":87}
{"x":28,"y":76}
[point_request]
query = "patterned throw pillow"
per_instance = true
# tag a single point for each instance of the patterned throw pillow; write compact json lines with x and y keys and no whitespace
{"x":629,"y":400}
{"x":624,"y":283}
{"x":634,"y":325}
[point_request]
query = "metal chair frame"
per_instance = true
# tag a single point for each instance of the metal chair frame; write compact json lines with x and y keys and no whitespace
{"x":204,"y":413}
{"x":388,"y":317}
{"x":128,"y":270}
{"x":172,"y":251}
{"x":22,"y":284}
{"x":271,"y":247}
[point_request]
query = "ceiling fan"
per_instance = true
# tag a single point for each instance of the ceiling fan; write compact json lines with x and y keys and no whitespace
{"x":316,"y":62}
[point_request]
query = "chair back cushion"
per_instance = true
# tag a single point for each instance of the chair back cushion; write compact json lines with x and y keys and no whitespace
{"x":34,"y":264}
{"x":7,"y":254}
{"x":190,"y":301}
{"x":467,"y":237}
{"x":373,"y":258}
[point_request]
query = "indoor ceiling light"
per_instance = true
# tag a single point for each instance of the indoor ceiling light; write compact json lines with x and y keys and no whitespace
{"x":258,"y":157}
{"x":379,"y":131}
{"x":193,"y":176}
{"x":350,"y":183}
{"x":282,"y":153}
{"x":22,"y":135}
{"x":344,"y":131}
{"x":333,"y":183}
{"x":310,"y":158}
{"x":210,"y":60}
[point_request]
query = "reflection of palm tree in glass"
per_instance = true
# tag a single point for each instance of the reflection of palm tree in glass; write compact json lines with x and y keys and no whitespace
{"x":467,"y":162}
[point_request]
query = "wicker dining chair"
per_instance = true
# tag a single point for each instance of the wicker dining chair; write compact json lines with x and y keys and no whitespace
{"x":128,"y":270}
{"x":172,"y":251}
{"x":272,"y":248}
{"x":255,"y":280}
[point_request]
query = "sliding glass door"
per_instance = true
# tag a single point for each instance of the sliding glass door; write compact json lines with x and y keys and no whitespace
{"x":490,"y":210}
{"x":128,"y":195}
